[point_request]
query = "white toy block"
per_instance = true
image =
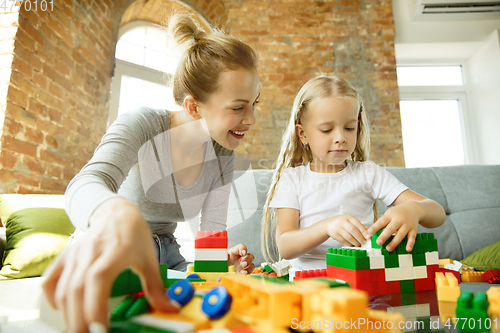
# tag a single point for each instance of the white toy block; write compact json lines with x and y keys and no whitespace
{"x":405,"y":260}
{"x":399,"y":274}
{"x":210,"y":254}
{"x":374,"y":252}
{"x":432,"y":258}
{"x":377,"y":262}
{"x":367,"y":245}
{"x":281,"y":267}
{"x":419,"y":272}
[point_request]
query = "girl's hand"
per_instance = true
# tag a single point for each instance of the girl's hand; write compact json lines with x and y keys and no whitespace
{"x":346,"y":229}
{"x":403,"y":219}
{"x":79,"y":281}
{"x":241,"y":259}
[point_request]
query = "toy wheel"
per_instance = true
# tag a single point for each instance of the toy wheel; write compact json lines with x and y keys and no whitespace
{"x":193,"y":276}
{"x":216,"y":303}
{"x":181,"y":291}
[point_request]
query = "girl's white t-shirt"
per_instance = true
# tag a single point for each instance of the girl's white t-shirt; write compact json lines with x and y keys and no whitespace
{"x":318,"y":196}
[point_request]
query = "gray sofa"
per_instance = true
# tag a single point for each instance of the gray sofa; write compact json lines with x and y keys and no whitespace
{"x":470,"y":196}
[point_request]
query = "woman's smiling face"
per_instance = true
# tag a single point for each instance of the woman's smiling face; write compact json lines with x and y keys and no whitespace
{"x":230,"y":111}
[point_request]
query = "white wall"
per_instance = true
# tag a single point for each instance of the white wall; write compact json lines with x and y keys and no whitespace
{"x":475,"y":45}
{"x":484,"y":90}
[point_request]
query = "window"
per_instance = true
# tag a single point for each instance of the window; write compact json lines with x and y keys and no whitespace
{"x":146,"y":57}
{"x":433,"y":109}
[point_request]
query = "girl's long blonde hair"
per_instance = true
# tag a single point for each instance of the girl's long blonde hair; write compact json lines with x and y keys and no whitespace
{"x":293,"y":153}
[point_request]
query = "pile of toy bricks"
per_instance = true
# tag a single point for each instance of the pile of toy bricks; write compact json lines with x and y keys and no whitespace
{"x":210,"y":251}
{"x":375,"y":270}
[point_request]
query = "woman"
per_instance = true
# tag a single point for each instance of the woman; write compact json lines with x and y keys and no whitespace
{"x":152,"y":169}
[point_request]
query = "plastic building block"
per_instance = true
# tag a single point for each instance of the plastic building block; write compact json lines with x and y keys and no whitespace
{"x":376,"y":261}
{"x":128,"y":282}
{"x":472,"y":308}
{"x":348,"y":258}
{"x":472,"y":277}
{"x":310,"y":274}
{"x":210,"y":266}
{"x":492,"y":276}
{"x":432,"y":258}
{"x":210,"y":239}
{"x":391,"y":259}
{"x":419,"y":272}
{"x":494,"y":299}
{"x":425,"y":242}
{"x":447,"y":288}
{"x":215,"y":254}
{"x":140,"y":306}
{"x":419,"y":259}
{"x":118,"y":313}
{"x":405,"y":260}
{"x":399,"y":273}
{"x":181,"y":292}
{"x":210,"y":276}
{"x":456,"y":273}
{"x":216,"y":302}
{"x":444,"y":262}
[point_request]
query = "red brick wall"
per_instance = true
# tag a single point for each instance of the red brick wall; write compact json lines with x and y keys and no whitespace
{"x":298,"y":39}
{"x":58,"y":64}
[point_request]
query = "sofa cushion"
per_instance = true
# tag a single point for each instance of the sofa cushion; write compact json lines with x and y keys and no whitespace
{"x":37,"y":229}
{"x":485,"y":259}
{"x":470,"y":187}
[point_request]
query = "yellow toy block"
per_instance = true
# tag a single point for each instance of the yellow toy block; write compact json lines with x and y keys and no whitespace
{"x":447,"y":288}
{"x":472,"y":277}
{"x":268,"y":306}
{"x":494,"y":299}
{"x":210,"y":276}
{"x":444,"y":262}
{"x":447,"y":310}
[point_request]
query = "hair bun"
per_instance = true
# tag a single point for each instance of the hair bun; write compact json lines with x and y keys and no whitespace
{"x":184,"y":29}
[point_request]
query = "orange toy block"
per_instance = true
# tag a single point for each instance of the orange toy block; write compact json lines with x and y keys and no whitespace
{"x":447,"y":288}
{"x":472,"y":277}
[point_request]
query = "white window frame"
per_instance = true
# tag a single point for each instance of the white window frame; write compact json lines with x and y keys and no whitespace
{"x":445,"y":93}
{"x":125,"y":68}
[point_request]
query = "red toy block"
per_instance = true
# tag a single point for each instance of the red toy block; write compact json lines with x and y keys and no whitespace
{"x":445,"y":270}
{"x":210,"y":240}
{"x":377,"y":275}
{"x":425,"y":284}
{"x":354,"y":277}
{"x":310,"y":274}
{"x":492,"y":276}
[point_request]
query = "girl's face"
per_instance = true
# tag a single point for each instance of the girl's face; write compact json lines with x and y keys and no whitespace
{"x":230,"y":111}
{"x":330,"y":126}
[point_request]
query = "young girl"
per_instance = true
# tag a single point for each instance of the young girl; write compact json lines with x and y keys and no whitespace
{"x":324,"y":190}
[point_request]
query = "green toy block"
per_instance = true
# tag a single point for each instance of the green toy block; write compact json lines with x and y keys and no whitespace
{"x":210,"y":266}
{"x":374,"y":237}
{"x":128,"y":282}
{"x":118,"y":313}
{"x":391,"y":259}
{"x":419,"y":259}
{"x":473,"y":309}
{"x":407,"y":286}
{"x":425,"y":242}
{"x":268,"y":269}
{"x":333,"y":283}
{"x":348,"y":258}
{"x":140,"y":306}
{"x":401,"y":248}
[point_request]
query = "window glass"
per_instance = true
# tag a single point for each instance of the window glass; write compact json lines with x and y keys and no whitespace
{"x":430,"y":76}
{"x":432,"y":134}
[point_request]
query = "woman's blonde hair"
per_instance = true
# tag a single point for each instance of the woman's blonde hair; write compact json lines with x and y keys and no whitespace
{"x":206,"y":57}
{"x":293,"y":153}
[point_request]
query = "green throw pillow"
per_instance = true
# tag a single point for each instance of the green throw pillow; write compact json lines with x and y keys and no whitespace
{"x":37,"y":230}
{"x":486,"y":258}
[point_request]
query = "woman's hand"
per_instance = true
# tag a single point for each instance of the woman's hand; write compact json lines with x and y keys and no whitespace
{"x":346,"y":229}
{"x":241,"y":259}
{"x":80,"y":280}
